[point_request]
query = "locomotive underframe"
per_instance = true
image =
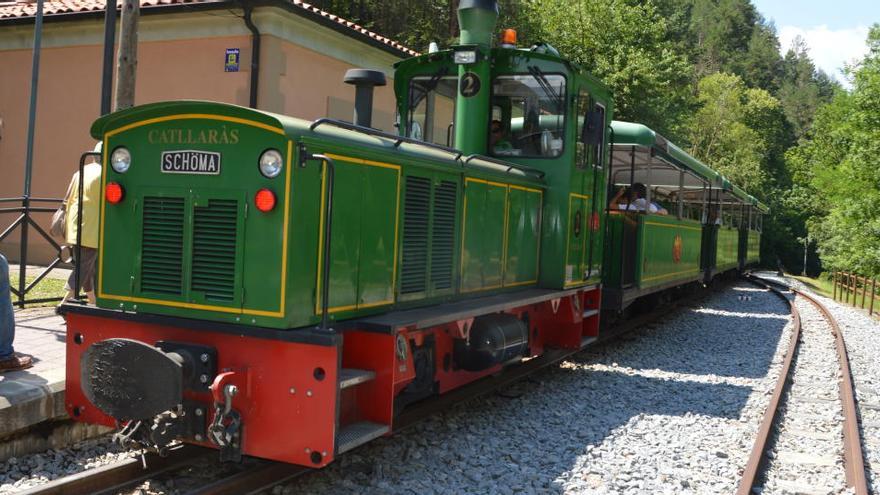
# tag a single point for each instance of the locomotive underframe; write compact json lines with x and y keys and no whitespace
{"x":305,"y":396}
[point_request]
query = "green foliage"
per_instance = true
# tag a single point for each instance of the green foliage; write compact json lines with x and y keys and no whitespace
{"x":627,"y":45}
{"x":730,"y":129}
{"x":837,"y":172}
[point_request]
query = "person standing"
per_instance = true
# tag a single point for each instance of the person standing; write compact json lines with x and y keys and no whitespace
{"x":9,"y":359}
{"x":91,"y":199}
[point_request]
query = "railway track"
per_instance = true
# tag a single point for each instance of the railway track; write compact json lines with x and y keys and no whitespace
{"x":810,"y":431}
{"x":256,"y":476}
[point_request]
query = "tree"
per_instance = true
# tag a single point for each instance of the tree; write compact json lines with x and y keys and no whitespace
{"x":733,"y":129}
{"x":626,"y":45}
{"x":837,"y":169}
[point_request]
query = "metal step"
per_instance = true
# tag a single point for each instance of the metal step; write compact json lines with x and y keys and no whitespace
{"x":585,"y":341}
{"x":590,"y":312}
{"x":349,"y":377}
{"x":357,"y":434}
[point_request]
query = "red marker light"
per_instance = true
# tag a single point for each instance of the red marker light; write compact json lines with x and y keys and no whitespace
{"x":264,"y":200}
{"x":114,"y":193}
{"x":594,"y":221}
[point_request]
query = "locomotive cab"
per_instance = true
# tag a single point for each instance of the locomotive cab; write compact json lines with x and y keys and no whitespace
{"x":528,"y":107}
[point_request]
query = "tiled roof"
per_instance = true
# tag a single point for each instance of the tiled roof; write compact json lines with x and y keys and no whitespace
{"x":25,"y":9}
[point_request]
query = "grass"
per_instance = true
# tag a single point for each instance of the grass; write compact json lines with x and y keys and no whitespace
{"x":825,"y":287}
{"x":48,"y":287}
{"x":818,"y":285}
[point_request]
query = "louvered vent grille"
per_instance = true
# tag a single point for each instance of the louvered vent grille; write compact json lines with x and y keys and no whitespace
{"x":443,"y":234}
{"x":415,"y":235}
{"x":162,"y":245}
{"x":213,"y":258}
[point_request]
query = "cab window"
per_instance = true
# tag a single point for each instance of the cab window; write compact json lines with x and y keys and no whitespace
{"x":528,"y":117}
{"x":432,"y":109}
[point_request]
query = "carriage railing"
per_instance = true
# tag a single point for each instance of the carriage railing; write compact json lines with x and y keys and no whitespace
{"x":849,"y":286}
{"x":24,"y":208}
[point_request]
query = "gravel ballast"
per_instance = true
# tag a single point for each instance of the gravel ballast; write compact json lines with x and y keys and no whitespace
{"x":807,"y":455}
{"x":861,"y":335}
{"x":21,"y":473}
{"x":673,"y":408}
{"x":670,"y":408}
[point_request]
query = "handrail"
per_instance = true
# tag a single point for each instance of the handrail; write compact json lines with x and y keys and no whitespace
{"x":398,"y":140}
{"x":19,"y":199}
{"x":510,"y":166}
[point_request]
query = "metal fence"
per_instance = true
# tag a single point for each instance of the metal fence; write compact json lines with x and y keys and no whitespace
{"x":849,"y":286}
{"x":24,"y":209}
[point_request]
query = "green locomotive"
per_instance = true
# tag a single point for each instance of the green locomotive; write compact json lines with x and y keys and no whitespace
{"x":283,"y":288}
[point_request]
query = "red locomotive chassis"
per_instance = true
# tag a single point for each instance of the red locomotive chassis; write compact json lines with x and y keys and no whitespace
{"x":302,"y":398}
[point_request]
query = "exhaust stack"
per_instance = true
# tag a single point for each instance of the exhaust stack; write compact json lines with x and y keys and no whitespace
{"x":476,"y":19}
{"x":364,"y":81}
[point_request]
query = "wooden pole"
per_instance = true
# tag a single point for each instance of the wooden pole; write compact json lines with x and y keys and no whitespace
{"x":126,"y":65}
{"x":834,"y":285}
{"x":852,"y":279}
{"x":864,"y":290}
{"x":873,"y":294}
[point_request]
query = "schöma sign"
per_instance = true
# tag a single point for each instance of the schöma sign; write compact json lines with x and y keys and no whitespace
{"x":191,"y":162}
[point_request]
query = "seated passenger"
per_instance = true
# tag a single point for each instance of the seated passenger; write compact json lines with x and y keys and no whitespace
{"x":640,"y":203}
{"x":497,"y":140}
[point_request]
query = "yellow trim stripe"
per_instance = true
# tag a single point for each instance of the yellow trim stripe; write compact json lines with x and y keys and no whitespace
{"x":101,"y":223}
{"x":694,"y":271}
{"x":189,"y":116}
{"x":529,"y":189}
{"x":284,"y":254}
{"x":673,"y":226}
{"x":517,"y":284}
{"x":504,"y":234}
{"x":584,"y":197}
{"x":318,"y":282}
{"x":178,"y":304}
{"x":207,"y":307}
{"x":318,"y":277}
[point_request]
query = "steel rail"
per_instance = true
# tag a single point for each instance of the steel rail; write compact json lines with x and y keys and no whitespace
{"x":254,"y":480}
{"x":853,"y":458}
{"x":111,"y":478}
{"x":757,"y":458}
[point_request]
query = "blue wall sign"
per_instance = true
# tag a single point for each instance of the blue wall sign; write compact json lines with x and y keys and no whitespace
{"x":232,"y":59}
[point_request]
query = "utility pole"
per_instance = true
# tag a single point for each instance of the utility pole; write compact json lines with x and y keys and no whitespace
{"x":806,"y":244}
{"x":109,"y":48}
{"x":126,"y":65}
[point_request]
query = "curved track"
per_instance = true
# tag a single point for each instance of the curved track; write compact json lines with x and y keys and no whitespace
{"x":756,"y":470}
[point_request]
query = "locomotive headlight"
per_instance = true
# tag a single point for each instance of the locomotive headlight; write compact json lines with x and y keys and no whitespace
{"x":120,"y":160}
{"x":271,"y":163}
{"x":465,"y":56}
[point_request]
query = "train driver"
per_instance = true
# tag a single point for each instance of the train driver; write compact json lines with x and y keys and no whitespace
{"x":497,"y":140}
{"x":640,"y":203}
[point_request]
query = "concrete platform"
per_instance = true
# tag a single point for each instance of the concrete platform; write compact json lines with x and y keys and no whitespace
{"x":32,"y":415}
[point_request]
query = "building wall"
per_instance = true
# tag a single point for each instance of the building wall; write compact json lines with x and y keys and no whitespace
{"x":180,"y":56}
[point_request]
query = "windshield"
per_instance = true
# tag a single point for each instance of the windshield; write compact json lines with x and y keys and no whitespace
{"x":432,"y":109}
{"x":528,"y":115}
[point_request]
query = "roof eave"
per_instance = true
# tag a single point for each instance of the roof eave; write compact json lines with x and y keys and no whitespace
{"x":216,"y":5}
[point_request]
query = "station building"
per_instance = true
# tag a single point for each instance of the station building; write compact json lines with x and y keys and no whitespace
{"x":186,"y":50}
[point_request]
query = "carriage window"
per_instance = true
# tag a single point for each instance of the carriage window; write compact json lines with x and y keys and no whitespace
{"x":533,"y":115}
{"x":583,"y":107}
{"x":432,"y":109}
{"x":598,"y":150}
